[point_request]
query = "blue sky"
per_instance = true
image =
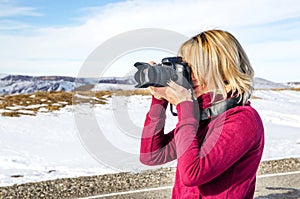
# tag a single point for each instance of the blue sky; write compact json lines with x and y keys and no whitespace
{"x":43,"y":13}
{"x":51,"y":37}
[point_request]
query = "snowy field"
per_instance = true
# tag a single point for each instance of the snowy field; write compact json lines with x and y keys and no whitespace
{"x":52,"y":145}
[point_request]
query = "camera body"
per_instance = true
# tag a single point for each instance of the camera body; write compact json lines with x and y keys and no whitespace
{"x":170,"y":68}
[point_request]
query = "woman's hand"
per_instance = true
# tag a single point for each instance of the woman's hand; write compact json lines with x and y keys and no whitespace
{"x":173,"y":93}
{"x":155,"y":93}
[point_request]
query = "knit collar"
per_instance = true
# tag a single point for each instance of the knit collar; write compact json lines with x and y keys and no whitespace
{"x":205,"y":100}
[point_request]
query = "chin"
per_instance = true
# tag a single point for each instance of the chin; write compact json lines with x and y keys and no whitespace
{"x":197,"y":93}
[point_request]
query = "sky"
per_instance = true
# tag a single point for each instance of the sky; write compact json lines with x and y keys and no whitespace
{"x":51,"y":37}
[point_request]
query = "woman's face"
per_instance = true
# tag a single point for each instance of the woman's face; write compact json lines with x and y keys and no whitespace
{"x":199,"y":88}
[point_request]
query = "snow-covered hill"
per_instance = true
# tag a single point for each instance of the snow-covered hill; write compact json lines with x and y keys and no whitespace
{"x":294,"y":84}
{"x":260,"y":83}
{"x":21,"y":84}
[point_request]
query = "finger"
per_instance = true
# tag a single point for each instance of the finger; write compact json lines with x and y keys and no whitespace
{"x":171,"y":95}
{"x":175,"y":86}
{"x":155,"y":94}
{"x":152,"y":63}
{"x":151,"y":88}
{"x":160,"y":90}
{"x":171,"y":84}
{"x":177,"y":90}
{"x":170,"y":91}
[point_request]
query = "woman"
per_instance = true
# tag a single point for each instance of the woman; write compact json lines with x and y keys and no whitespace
{"x":218,"y":156}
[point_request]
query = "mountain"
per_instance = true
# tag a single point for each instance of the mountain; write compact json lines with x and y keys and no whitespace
{"x":260,"y":83}
{"x":118,"y":80}
{"x":18,"y":84}
{"x":2,"y":75}
{"x":294,"y":84}
{"x":22,"y":84}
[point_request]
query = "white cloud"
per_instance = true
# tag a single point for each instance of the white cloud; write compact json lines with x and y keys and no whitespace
{"x":12,"y":25}
{"x":69,"y":46}
{"x":8,"y":9}
{"x":277,"y":61}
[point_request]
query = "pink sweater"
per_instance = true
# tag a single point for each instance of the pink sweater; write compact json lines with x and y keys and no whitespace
{"x":215,"y":159}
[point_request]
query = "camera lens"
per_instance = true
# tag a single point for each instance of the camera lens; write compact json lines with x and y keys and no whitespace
{"x":145,"y":75}
{"x":152,"y":74}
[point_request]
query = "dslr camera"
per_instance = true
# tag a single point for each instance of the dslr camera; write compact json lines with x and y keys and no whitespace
{"x":170,"y":68}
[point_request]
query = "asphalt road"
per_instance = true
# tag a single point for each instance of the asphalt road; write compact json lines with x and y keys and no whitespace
{"x":275,"y":179}
{"x":277,"y":186}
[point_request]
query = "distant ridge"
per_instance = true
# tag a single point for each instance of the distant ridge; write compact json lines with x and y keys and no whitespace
{"x":260,"y":83}
{"x":23,"y":84}
{"x":2,"y":75}
{"x":294,"y":84}
{"x":15,"y":78}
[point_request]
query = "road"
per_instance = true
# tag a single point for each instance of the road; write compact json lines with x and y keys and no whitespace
{"x":275,"y":179}
{"x":277,"y":186}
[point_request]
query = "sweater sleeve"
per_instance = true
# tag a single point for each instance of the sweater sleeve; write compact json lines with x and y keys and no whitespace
{"x":227,"y":141}
{"x":156,"y":146}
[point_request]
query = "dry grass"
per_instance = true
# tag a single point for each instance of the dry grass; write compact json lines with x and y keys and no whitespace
{"x":283,"y":89}
{"x":280,"y":89}
{"x":255,"y":97}
{"x":132,"y":92}
{"x":31,"y":104}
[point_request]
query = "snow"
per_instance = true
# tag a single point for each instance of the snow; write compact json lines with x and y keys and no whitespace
{"x":26,"y":107}
{"x":51,"y":145}
{"x":107,"y":86}
{"x":280,"y":112}
{"x":33,"y":146}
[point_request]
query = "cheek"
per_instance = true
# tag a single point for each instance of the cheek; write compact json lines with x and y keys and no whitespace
{"x":195,"y":81}
{"x":193,"y":77}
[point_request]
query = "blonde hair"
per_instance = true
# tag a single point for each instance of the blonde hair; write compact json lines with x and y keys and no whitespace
{"x":218,"y":60}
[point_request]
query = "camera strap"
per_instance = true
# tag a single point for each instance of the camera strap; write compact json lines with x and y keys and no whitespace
{"x":215,"y":109}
